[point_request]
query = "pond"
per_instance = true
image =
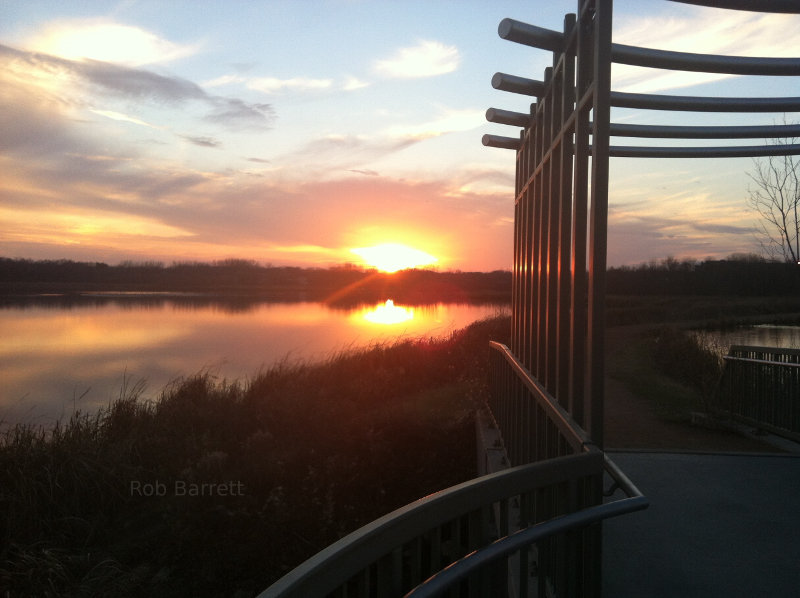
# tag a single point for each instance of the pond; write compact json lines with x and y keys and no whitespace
{"x":762,"y":335}
{"x":61,"y":353}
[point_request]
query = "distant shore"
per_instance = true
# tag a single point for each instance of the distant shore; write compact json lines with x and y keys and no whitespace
{"x":344,"y":285}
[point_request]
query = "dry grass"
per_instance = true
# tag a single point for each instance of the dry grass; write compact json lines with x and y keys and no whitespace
{"x":316,"y":450}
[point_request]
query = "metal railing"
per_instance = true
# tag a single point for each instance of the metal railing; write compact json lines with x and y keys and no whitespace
{"x":533,"y":425}
{"x":761,"y":386}
{"x":501,"y":534}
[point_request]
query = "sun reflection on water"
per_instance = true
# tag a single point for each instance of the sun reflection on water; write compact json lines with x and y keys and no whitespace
{"x":388,"y":313}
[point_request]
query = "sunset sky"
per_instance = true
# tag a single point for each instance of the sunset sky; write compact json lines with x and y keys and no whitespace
{"x":293,"y":132}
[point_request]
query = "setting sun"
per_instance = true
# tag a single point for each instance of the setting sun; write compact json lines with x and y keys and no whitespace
{"x":391,"y":257}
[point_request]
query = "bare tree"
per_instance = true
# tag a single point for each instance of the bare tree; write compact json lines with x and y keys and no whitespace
{"x":776,"y":198}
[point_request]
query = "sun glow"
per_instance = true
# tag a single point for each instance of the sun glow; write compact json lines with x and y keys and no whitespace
{"x":389,"y":313}
{"x":391,"y":257}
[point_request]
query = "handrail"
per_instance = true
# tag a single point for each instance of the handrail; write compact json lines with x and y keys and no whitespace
{"x":568,"y":427}
{"x":504,"y":546}
{"x":334,"y":565}
{"x":761,"y":361}
{"x":634,"y":501}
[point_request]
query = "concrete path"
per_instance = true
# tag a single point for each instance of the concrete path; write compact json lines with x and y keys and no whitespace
{"x":717,"y":525}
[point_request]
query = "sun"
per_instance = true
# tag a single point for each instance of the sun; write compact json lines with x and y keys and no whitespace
{"x":391,"y":257}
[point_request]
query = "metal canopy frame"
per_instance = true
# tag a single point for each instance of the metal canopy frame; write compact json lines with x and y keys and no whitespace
{"x":561,"y":194}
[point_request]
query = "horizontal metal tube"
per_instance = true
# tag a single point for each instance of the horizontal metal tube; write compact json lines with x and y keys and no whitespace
{"x":761,"y":361}
{"x":705,"y":63}
{"x":503,"y":547}
{"x":514,"y":84}
{"x":530,"y":35}
{"x":782,"y":6}
{"x":548,"y":39}
{"x":753,"y":151}
{"x":507,"y":117}
{"x":501,"y":142}
{"x":719,"y":132}
{"x":622,"y":99}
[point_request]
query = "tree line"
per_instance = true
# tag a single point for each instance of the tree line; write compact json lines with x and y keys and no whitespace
{"x":338,"y":284}
{"x":739,"y":274}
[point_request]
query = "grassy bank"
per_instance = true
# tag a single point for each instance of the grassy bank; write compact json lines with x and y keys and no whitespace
{"x":673,"y":369}
{"x":218,"y":488}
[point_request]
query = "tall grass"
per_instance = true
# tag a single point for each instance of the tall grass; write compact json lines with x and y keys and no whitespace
{"x":314,"y":450}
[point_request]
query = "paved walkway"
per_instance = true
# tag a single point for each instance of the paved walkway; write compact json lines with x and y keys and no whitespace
{"x":717,"y":525}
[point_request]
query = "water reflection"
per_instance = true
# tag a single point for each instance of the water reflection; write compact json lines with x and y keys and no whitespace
{"x":388,"y":313}
{"x":59,"y":353}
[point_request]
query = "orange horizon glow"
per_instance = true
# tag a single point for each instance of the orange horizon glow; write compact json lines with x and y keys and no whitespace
{"x":391,"y":257}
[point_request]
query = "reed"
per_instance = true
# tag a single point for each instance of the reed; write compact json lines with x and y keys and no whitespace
{"x":217,"y":487}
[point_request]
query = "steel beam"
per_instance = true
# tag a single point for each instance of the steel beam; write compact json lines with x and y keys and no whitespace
{"x":644,"y":101}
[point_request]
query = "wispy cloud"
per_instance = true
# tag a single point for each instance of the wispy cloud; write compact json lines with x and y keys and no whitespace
{"x":449,"y":120}
{"x":224,"y":80}
{"x":238,"y":114}
{"x":426,"y":59}
{"x":353,"y":83}
{"x":130,"y":84}
{"x":337,"y":153}
{"x":108,"y":41}
{"x":203,"y":141}
{"x":275,"y":85}
{"x":113,"y":115}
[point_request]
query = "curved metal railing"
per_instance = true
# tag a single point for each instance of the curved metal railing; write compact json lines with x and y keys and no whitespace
{"x":450,"y":537}
{"x":502,"y":548}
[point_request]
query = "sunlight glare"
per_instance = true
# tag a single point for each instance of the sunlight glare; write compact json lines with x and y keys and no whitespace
{"x":391,"y":257}
{"x":389,"y":313}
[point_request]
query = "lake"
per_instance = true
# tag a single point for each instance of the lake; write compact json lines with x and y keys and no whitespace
{"x":59,"y":353}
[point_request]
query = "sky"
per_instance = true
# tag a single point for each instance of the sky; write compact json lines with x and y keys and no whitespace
{"x":295,"y":132}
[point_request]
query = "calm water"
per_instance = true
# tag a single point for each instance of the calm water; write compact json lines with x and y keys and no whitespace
{"x":764,"y":335}
{"x":58,"y":354}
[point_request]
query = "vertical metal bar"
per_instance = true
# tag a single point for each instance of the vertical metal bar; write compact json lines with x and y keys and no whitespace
{"x":565,"y":219}
{"x":598,"y":217}
{"x":518,"y":239}
{"x":549,"y":265}
{"x":577,"y":335}
{"x":540,"y":246}
{"x":533,"y":239}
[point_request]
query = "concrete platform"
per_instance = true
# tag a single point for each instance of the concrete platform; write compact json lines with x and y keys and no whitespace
{"x":717,"y":525}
